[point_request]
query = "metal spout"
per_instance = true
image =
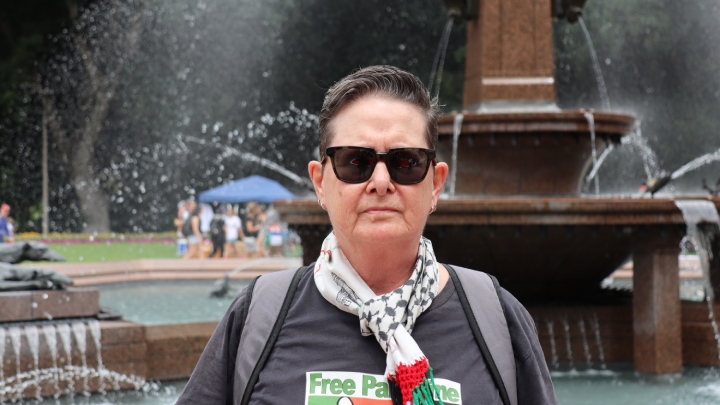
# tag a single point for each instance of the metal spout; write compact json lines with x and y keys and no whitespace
{"x":461,"y":10}
{"x":569,"y":10}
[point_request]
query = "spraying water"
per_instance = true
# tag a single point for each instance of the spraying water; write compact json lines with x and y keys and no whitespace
{"x":591,"y":125}
{"x":78,"y":329}
{"x":64,"y":331}
{"x":600,"y":162}
{"x":269,"y":164}
{"x":15,"y":335}
{"x":568,"y":342}
{"x":596,"y":66}
{"x":33,"y":338}
{"x":695,"y":213}
{"x":586,"y":347}
{"x":16,"y":386}
{"x":696,"y":164}
{"x":649,"y":157}
{"x":51,"y":340}
{"x":250,"y":157}
{"x":439,"y":60}
{"x":96,"y":334}
{"x":598,"y":340}
{"x":457,"y":128}
{"x":553,"y":348}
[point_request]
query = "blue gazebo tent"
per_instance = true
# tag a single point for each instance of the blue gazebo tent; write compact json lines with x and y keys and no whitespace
{"x":253,"y":188}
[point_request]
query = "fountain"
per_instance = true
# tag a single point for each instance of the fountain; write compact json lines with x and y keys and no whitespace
{"x":515,"y":207}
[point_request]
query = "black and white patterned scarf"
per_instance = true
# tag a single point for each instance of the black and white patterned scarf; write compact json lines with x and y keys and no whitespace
{"x":389,"y":317}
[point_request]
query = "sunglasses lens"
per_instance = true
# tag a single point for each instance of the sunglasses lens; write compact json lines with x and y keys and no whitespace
{"x":354,"y":165}
{"x":407,"y":166}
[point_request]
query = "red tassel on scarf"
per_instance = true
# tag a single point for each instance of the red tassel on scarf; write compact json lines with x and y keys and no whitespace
{"x":410,"y":377}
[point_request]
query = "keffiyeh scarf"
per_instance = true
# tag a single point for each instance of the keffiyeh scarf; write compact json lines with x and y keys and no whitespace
{"x":389,"y":317}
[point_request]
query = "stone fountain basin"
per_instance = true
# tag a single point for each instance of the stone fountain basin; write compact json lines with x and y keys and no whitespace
{"x":542,"y":249}
{"x":528,"y":153}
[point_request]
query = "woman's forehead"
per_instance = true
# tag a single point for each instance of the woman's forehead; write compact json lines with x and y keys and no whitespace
{"x":376,"y":121}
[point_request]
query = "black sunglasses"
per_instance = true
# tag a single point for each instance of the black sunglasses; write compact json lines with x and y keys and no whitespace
{"x":355,"y":164}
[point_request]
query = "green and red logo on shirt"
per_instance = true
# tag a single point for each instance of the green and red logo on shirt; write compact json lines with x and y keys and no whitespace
{"x":346,"y":388}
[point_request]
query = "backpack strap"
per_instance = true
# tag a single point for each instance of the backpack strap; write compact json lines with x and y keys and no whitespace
{"x":485,"y":313}
{"x":262,"y":319}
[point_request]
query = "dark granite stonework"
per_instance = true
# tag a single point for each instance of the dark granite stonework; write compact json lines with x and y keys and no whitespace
{"x":18,"y":306}
{"x":510,"y":39}
{"x":656,"y":309}
{"x":174,"y":350}
{"x":529,"y":153}
{"x":615,"y":321}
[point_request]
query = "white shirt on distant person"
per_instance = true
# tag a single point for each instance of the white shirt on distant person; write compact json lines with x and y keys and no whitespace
{"x":232,"y":224}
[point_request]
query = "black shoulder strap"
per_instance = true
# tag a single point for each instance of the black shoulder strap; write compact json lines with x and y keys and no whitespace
{"x":469,"y":314}
{"x":274,"y":333}
{"x":496,"y":284}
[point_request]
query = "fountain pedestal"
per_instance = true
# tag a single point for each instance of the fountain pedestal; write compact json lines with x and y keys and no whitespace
{"x":656,"y":306}
{"x":510,"y":53}
{"x":557,"y":250}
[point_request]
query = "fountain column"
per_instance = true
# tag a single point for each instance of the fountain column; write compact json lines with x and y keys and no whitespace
{"x":509,"y":54}
{"x":656,"y":307}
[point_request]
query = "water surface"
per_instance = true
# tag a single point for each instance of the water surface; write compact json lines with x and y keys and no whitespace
{"x":168,"y":302}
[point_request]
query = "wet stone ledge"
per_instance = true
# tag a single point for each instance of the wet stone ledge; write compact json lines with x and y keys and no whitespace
{"x":17,"y":306}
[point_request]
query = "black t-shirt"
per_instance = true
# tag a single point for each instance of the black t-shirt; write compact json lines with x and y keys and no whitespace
{"x":318,"y":337}
{"x":255,"y":220}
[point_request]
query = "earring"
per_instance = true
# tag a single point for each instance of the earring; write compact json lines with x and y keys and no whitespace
{"x":320,"y":203}
{"x":434,"y":207}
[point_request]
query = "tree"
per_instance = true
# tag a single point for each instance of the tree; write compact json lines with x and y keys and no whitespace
{"x":103,"y":54}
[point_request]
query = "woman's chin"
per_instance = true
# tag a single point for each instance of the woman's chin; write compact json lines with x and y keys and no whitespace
{"x":381,"y":233}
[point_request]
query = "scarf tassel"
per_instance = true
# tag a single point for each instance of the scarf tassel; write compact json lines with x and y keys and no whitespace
{"x":416,"y":382}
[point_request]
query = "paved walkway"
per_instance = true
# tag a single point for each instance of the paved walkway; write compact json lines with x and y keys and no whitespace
{"x":168,"y":269}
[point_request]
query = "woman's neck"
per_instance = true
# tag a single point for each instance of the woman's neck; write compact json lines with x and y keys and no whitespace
{"x":383,"y":267}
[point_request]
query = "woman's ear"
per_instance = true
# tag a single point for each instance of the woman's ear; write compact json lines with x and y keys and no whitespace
{"x":439,"y":177}
{"x":315,"y":170}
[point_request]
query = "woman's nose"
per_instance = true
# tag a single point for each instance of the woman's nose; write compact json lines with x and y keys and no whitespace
{"x":380,"y":182}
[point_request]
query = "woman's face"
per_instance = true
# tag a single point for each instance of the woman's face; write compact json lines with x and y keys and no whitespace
{"x":379,"y":210}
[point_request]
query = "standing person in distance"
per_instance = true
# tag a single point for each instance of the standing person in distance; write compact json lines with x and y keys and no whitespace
{"x":6,"y":228}
{"x":217,"y":235}
{"x":191,"y":230}
{"x":233,"y":234}
{"x":253,"y":226}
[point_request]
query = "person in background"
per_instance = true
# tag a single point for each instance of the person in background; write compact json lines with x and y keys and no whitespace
{"x":11,"y":228}
{"x":233,"y":233}
{"x":253,"y":226}
{"x":6,"y":228}
{"x":263,"y":233}
{"x":217,"y":235}
{"x":275,"y":239}
{"x":180,"y":220}
{"x":191,"y":230}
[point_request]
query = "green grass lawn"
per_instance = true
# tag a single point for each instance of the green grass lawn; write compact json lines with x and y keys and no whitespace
{"x":107,"y":252}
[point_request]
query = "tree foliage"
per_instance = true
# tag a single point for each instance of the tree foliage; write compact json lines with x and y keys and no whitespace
{"x":214,"y":80}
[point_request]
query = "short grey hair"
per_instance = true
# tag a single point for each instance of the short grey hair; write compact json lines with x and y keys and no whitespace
{"x":380,"y":80}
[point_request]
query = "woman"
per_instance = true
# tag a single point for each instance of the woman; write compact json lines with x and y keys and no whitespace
{"x":378,"y":180}
{"x":191,"y":230}
{"x":253,"y":226}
